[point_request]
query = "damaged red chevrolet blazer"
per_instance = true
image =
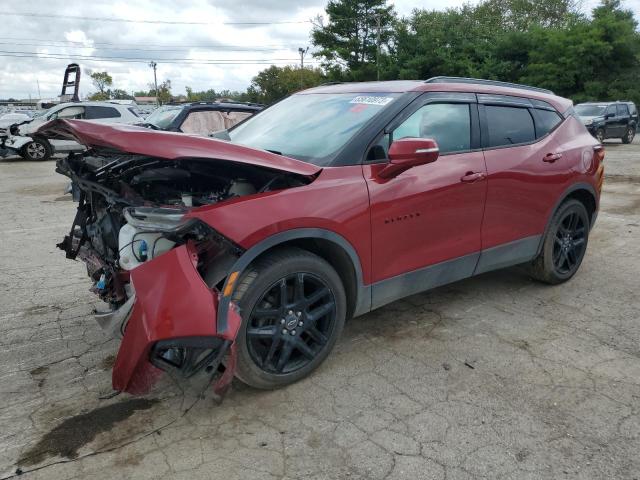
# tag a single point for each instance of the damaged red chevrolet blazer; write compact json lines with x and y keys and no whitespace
{"x":244,"y":254}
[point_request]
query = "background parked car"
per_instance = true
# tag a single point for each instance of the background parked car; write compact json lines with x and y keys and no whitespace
{"x":200,"y":118}
{"x":609,"y":119}
{"x":35,"y":147}
{"x":9,"y":119}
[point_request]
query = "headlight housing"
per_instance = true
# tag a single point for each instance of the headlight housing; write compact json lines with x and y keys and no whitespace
{"x":588,"y":122}
{"x":151,"y":219}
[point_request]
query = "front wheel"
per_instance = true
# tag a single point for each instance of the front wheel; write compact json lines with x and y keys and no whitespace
{"x":629,"y":134}
{"x":564,"y":245}
{"x":600,"y":135}
{"x":293,"y":308}
{"x":36,"y":150}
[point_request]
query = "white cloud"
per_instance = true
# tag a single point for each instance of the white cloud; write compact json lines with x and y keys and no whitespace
{"x":141,"y":42}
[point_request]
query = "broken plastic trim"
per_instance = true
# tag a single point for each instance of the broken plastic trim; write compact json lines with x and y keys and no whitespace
{"x":189,"y":355}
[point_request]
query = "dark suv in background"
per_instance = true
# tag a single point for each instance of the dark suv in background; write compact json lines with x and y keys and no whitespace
{"x":609,"y":119}
{"x":200,"y":118}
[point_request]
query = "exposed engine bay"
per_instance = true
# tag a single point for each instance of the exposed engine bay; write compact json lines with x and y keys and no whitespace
{"x":131,"y":210}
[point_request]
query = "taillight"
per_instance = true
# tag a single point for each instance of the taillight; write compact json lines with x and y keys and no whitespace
{"x":598,"y":163}
{"x":598,"y":154}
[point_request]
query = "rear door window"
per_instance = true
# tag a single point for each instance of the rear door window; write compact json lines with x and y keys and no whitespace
{"x":95,"y":112}
{"x":508,"y":126}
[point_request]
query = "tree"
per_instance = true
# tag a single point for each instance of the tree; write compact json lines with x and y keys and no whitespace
{"x":546,"y":43}
{"x":348,"y":44}
{"x":164,"y":92}
{"x":274,"y":83}
{"x":101,"y":80}
{"x":119,"y":94}
{"x":212,"y":95}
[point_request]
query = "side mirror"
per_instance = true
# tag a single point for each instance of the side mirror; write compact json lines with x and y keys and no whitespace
{"x":609,"y":115}
{"x":407,"y":153}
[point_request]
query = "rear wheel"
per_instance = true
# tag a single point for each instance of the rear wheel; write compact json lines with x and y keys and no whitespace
{"x":629,"y":134}
{"x":293,"y":308}
{"x":564,"y":245}
{"x":36,"y":150}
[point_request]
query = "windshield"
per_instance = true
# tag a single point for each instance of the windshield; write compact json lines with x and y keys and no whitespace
{"x":590,"y":110}
{"x":162,"y":117}
{"x":312,"y":127}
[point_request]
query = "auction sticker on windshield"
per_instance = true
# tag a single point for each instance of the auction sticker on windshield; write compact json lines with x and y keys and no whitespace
{"x":367,"y":100}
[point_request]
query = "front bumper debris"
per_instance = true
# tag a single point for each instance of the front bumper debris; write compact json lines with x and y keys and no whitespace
{"x":172,"y":326}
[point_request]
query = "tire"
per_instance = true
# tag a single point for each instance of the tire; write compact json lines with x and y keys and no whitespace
{"x":37,"y":150}
{"x":271,"y":328}
{"x":628,"y":136}
{"x":565,"y":244}
{"x":600,"y":135}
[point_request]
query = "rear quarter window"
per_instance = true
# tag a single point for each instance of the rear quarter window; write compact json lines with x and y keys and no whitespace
{"x":545,"y":121}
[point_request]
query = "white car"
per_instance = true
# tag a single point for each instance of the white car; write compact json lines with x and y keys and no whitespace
{"x":33,"y":147}
{"x":11,"y":118}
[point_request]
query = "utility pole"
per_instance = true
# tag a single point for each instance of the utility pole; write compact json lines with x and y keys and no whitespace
{"x":302,"y":52}
{"x":378,"y":21}
{"x":153,"y":65}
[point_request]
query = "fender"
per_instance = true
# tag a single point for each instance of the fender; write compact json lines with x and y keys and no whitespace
{"x":572,"y":188}
{"x":363,"y":300}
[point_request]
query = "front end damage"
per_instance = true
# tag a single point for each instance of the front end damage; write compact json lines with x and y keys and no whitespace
{"x":159,"y":270}
{"x":172,"y":325}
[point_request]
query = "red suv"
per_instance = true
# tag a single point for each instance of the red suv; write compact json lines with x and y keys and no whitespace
{"x":246,"y":256}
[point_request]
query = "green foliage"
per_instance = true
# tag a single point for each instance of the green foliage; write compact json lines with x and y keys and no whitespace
{"x":212,"y":95}
{"x":164,"y":92}
{"x":101,"y":80}
{"x":347,"y":45}
{"x":274,"y":83}
{"x":99,"y":96}
{"x":546,"y":43}
{"x":119,"y":94}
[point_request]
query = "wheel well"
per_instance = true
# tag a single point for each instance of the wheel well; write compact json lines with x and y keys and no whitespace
{"x":587,"y":199}
{"x":335,"y":256}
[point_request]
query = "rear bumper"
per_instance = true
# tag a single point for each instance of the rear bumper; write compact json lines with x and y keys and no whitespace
{"x":172,"y":305}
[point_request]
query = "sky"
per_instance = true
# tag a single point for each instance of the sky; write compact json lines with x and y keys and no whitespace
{"x":227,"y":41}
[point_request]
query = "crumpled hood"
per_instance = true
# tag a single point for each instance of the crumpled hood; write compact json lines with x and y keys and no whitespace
{"x":169,"y":145}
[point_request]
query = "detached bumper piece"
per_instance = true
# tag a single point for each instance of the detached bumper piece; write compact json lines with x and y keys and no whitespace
{"x":173,"y":326}
{"x":188,"y":356}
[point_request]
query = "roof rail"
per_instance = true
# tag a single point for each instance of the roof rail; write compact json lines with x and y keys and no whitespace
{"x":481,"y":81}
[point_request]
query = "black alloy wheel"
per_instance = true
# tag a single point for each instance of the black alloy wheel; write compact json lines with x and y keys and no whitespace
{"x":569,"y":243}
{"x":293,"y":306}
{"x":564,"y":244}
{"x":291,"y":323}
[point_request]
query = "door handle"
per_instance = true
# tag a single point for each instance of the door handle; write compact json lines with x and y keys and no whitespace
{"x":552,"y":157}
{"x":471,"y":177}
